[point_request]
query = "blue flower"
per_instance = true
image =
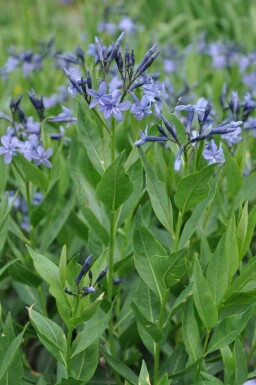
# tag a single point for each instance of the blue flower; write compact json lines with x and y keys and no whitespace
{"x":110,"y":105}
{"x":142,"y":108}
{"x":97,"y":95}
{"x":213,"y":154}
{"x":9,"y":148}
{"x":41,"y":157}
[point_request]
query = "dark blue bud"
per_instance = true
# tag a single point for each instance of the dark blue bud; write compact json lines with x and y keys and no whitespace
{"x":116,"y":47}
{"x":101,"y":275}
{"x":85,"y":268}
{"x":169,"y":127}
{"x":87,"y":290}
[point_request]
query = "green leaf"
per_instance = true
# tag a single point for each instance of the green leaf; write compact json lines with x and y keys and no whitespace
{"x":21,"y":273}
{"x":175,"y":362}
{"x":228,"y":363}
{"x":233,"y":173}
{"x":190,"y":333}
{"x":197,"y":214}
{"x":177,"y":268}
{"x":95,"y":225}
{"x":121,"y":368}
{"x":242,"y":226}
{"x":11,"y":354}
{"x":49,"y":272}
{"x":14,"y":373}
{"x":32,"y":172}
{"x":144,"y":375}
{"x":186,"y":370}
{"x":203,"y":298}
{"x":71,"y":381}
{"x":90,"y":136}
{"x":193,"y":189}
{"x":249,"y":233}
{"x":92,"y":330}
{"x":84,"y":364}
{"x":7,"y":265}
{"x":161,"y":204}
{"x":227,"y":329}
{"x":240,"y":363}
{"x":247,"y":191}
{"x":248,"y":274}
{"x":63,"y":266}
{"x":55,"y":225}
{"x":151,"y":260}
{"x":50,"y":334}
{"x":231,"y":249}
{"x":151,"y":328}
{"x":217,"y":272}
{"x":88,"y":312}
{"x":46,"y":206}
{"x":115,"y":186}
{"x":182,"y":299}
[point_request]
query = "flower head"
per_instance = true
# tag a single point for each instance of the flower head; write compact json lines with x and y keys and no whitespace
{"x":213,"y":154}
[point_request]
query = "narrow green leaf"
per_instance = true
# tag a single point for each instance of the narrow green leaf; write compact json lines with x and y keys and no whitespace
{"x":49,"y":272}
{"x":193,"y":189}
{"x":248,"y":274}
{"x":151,"y":260}
{"x":249,"y":233}
{"x":32,"y":172}
{"x":92,"y":330}
{"x":227,"y":329}
{"x":50,"y":334}
{"x":7,"y":265}
{"x":203,"y":298}
{"x":70,"y":381}
{"x":14,"y":373}
{"x":233,"y":174}
{"x":90,"y":136}
{"x":46,"y":206}
{"x":240,"y":363}
{"x":144,"y":375}
{"x":190,"y":333}
{"x":63,"y":266}
{"x":242,"y":227}
{"x":11,"y":354}
{"x":231,"y":249}
{"x":217,"y":272}
{"x":175,"y":362}
{"x":177,"y":268}
{"x":115,"y":186}
{"x":151,"y":328}
{"x":88,"y":312}
{"x":197,"y":214}
{"x":121,"y":368}
{"x":161,"y":204}
{"x":95,"y":225}
{"x":247,"y":191}
{"x":57,"y":223}
{"x":84,"y":364}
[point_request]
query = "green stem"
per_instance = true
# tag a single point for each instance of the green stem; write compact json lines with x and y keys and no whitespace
{"x":69,"y":336}
{"x":157,"y":346}
{"x":177,"y":233}
{"x":101,"y":120}
{"x":203,"y":353}
{"x":113,"y":141}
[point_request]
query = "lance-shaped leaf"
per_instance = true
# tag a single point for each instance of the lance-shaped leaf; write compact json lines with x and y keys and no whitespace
{"x":161,"y":204}
{"x":115,"y":186}
{"x":84,"y":364}
{"x":249,"y":233}
{"x":91,"y":332}
{"x":151,"y":328}
{"x":50,"y":334}
{"x":88,"y":312}
{"x":190,"y":333}
{"x":193,"y":189}
{"x":177,"y":268}
{"x":151,"y":260}
{"x":240,"y":375}
{"x":227,"y":329}
{"x":144,"y":375}
{"x":11,"y":354}
{"x":203,"y":298}
{"x":14,"y":367}
{"x":121,"y":368}
{"x":90,"y":136}
{"x":50,"y":274}
{"x":217,"y":271}
{"x":231,"y":252}
{"x":248,"y":274}
{"x":32,"y":172}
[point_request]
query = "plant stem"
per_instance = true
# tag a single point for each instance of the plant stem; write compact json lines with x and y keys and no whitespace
{"x":113,"y":141}
{"x":177,"y":233}
{"x":158,"y":344}
{"x":68,"y":357}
